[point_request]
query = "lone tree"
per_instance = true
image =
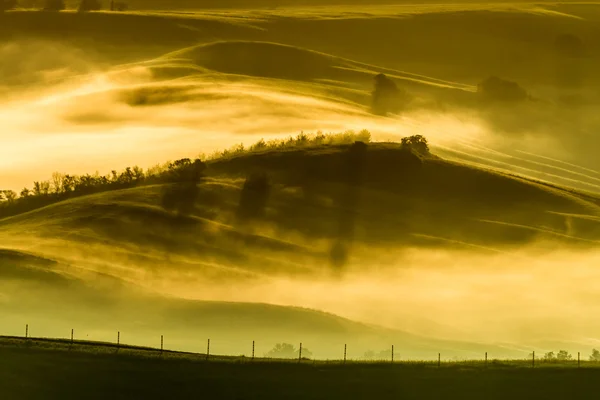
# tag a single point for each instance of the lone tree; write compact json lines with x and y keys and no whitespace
{"x":286,"y":350}
{"x":386,"y":97}
{"x":569,"y":46}
{"x":89,"y":5}
{"x":494,"y":89}
{"x":54,"y":5}
{"x":595,"y":356}
{"x":254,"y":196}
{"x":418,"y":143}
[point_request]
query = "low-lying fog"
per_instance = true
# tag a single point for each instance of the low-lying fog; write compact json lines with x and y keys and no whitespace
{"x":102,"y":121}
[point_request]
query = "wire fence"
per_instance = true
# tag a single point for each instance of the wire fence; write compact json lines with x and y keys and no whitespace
{"x":562,"y":360}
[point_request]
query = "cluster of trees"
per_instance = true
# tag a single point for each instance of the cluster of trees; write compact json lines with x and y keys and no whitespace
{"x":65,"y":186}
{"x":371,"y":355}
{"x":564,"y":355}
{"x":183,"y":177}
{"x":301,"y":140}
{"x":59,"y":5}
{"x":286,"y":350}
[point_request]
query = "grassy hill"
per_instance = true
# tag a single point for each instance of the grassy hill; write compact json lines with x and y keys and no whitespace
{"x":111,"y":251}
{"x":451,"y":43}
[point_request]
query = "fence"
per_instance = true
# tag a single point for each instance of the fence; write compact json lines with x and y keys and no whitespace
{"x":531,"y":361}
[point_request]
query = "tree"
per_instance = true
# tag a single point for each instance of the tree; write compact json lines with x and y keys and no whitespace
{"x":282,"y":350}
{"x":89,"y":5}
{"x":8,"y":195}
{"x":254,"y":196}
{"x":286,"y":350}
{"x":25,"y":193}
{"x":595,"y":356}
{"x":54,"y":5}
{"x":564,"y":355}
{"x":417,"y":143}
{"x":569,"y":46}
{"x":550,"y":356}
{"x":386,"y":97}
{"x":57,"y":182}
{"x":495,"y":89}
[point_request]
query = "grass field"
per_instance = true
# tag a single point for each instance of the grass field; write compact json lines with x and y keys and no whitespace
{"x":53,"y":370}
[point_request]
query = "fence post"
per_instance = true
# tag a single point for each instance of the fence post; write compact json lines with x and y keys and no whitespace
{"x":208,"y":350}
{"x":300,"y":353}
{"x":533,"y":360}
{"x":72,"y":336}
{"x":161,"y":344}
{"x":392,"y":354}
{"x":578,"y":359}
{"x":253,"y":350}
{"x":345,"y":348}
{"x":486,"y":358}
{"x":439,"y":359}
{"x":26,"y":331}
{"x":118,"y":340}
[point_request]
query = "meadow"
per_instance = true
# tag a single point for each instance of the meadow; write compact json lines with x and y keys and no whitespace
{"x":60,"y":370}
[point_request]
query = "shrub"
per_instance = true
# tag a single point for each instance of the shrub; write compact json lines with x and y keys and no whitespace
{"x":89,"y":5}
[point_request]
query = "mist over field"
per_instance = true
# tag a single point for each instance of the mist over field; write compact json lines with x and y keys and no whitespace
{"x":487,"y":243}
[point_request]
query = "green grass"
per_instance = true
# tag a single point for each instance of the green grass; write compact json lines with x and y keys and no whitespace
{"x":36,"y":370}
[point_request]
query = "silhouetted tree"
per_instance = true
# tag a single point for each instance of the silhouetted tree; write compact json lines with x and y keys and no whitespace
{"x":54,"y":5}
{"x":569,"y":46}
{"x":8,"y":196}
{"x":254,"y":196}
{"x":595,"y":356}
{"x":563,"y":355}
{"x":417,"y":143}
{"x":89,"y":5}
{"x":549,"y":356}
{"x":286,"y":350}
{"x":494,"y":89}
{"x":386,"y":97}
